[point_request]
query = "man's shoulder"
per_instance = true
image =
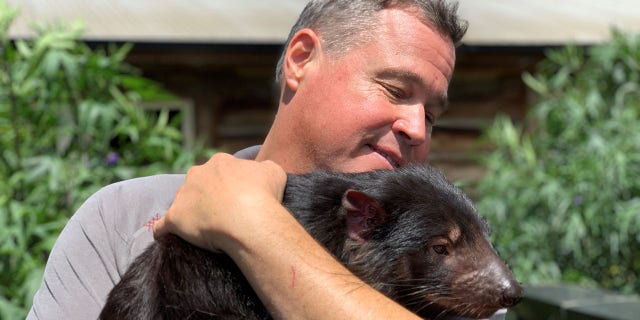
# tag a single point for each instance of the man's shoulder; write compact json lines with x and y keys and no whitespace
{"x":126,"y":206}
{"x":145,"y":193}
{"x":156,"y":184}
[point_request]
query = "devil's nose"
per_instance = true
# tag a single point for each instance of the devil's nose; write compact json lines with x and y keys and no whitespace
{"x":511,"y":295}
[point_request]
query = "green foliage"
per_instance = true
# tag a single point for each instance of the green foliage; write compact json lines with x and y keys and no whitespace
{"x":69,"y":124}
{"x":564,"y":191}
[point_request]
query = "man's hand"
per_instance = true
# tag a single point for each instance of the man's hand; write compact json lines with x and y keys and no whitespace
{"x":221,"y":201}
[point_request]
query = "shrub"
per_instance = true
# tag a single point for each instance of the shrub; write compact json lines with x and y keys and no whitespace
{"x":564,"y":189}
{"x":69,"y":124}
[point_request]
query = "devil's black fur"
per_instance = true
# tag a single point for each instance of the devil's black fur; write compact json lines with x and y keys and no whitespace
{"x":400,"y":252}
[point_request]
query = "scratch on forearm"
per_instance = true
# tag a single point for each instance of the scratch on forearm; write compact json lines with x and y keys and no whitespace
{"x":293,"y":277}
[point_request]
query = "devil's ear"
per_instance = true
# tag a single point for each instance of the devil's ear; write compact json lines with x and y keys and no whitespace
{"x":364,"y":214}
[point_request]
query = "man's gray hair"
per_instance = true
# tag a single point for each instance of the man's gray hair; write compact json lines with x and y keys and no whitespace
{"x":344,"y":24}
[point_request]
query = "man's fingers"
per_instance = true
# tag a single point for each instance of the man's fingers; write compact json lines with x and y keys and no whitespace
{"x":218,"y":200}
{"x":280,"y":177}
{"x":159,"y":228}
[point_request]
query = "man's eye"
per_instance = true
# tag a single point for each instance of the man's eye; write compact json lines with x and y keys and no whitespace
{"x":395,"y":92}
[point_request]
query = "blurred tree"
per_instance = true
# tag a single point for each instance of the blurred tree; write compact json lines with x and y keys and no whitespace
{"x":563,"y":192}
{"x":70,"y":123}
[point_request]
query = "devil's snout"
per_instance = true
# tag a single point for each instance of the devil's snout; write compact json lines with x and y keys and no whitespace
{"x":511,"y":294}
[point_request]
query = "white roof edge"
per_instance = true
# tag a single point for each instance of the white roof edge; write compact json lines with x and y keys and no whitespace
{"x":492,"y":22}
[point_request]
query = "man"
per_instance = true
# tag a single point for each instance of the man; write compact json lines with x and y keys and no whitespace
{"x":361,"y":84}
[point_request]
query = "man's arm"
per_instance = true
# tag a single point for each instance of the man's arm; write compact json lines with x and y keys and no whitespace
{"x":293,"y":275}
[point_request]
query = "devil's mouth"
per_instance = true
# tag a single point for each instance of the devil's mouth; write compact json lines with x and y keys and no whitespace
{"x":475,"y":312}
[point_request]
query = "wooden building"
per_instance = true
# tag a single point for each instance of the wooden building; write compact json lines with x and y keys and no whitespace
{"x":219,"y":57}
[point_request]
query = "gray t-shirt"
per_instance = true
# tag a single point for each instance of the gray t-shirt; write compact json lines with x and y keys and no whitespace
{"x":99,"y":242}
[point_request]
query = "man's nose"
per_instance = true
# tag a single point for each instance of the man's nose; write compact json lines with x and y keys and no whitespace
{"x":412,"y":125}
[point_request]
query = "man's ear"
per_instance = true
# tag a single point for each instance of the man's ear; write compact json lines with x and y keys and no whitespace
{"x":364,"y":214}
{"x":301,"y":51}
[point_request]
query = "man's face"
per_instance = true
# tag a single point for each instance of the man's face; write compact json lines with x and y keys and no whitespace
{"x":374,"y":106}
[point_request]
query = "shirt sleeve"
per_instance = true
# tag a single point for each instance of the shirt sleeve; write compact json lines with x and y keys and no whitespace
{"x":97,"y":245}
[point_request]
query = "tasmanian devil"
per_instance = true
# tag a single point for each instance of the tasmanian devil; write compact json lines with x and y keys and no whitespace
{"x":409,"y":233}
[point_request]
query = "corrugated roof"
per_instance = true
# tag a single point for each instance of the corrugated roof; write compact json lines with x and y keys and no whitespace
{"x":199,"y":21}
{"x":492,"y":22}
{"x":543,"y":22}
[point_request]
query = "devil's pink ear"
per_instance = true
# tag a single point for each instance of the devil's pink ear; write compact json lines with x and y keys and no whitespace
{"x":364,"y":213}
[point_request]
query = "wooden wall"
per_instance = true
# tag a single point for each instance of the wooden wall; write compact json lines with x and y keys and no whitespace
{"x":486,"y":82}
{"x":232,"y":90}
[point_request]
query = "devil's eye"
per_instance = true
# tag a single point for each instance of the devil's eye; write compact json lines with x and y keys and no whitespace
{"x":440,"y":249}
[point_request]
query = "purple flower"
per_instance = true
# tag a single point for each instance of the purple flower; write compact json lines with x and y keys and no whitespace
{"x":112,"y":159}
{"x":577,"y":200}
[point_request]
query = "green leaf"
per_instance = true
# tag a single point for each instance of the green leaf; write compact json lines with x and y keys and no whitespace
{"x":535,"y":84}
